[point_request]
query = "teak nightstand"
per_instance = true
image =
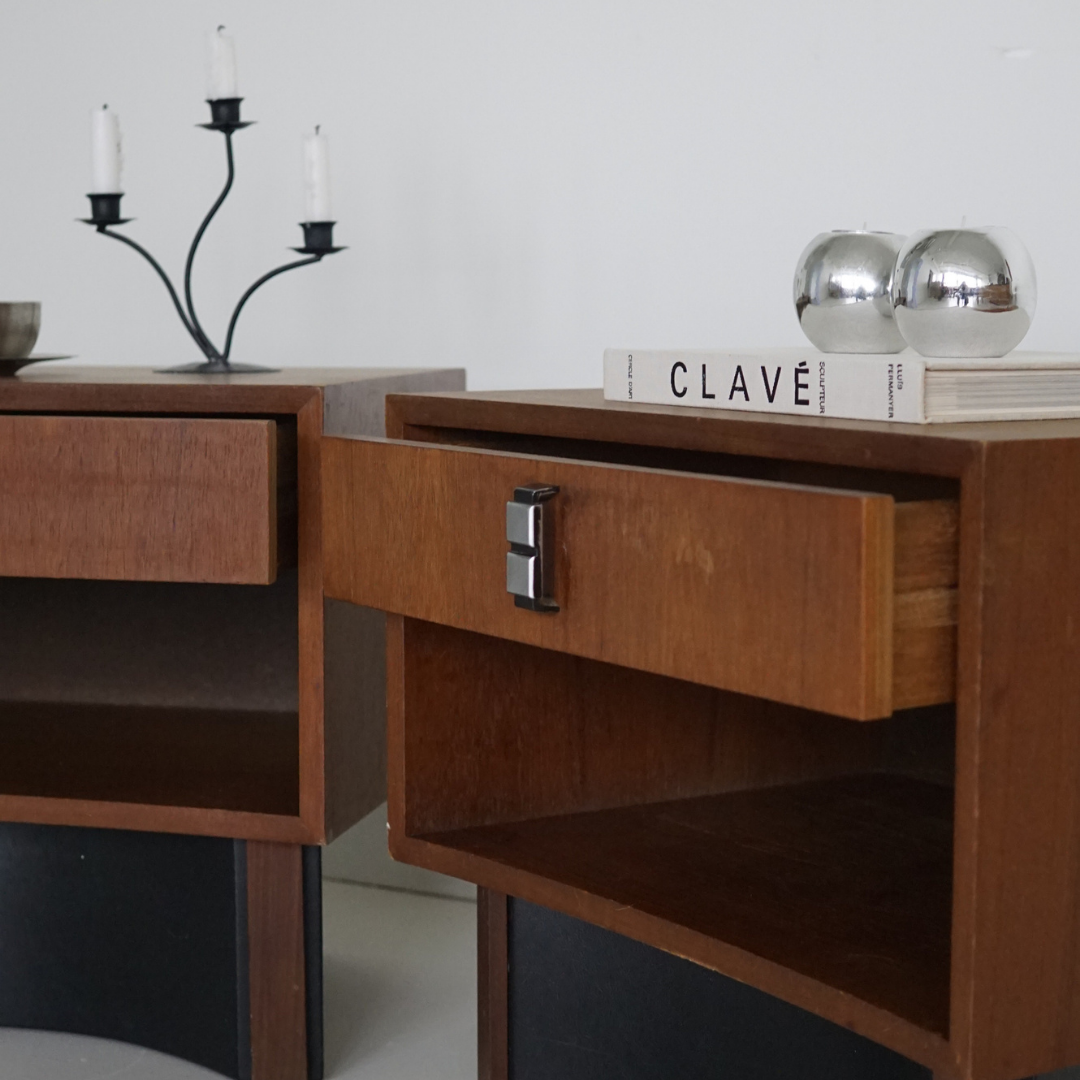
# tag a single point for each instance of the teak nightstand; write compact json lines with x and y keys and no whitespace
{"x":804,"y":709}
{"x":173,"y":683}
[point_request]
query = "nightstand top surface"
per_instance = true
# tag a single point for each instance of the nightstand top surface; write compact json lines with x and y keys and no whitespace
{"x":45,"y":387}
{"x":590,"y":402}
{"x":580,"y":418}
{"x":80,"y":375}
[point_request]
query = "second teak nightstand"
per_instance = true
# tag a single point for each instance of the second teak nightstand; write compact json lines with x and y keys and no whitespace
{"x":805,"y":713}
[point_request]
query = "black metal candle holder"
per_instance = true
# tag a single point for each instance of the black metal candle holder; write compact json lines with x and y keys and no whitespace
{"x":318,"y":242}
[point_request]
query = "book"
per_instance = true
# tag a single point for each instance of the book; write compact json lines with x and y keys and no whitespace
{"x":902,"y":387}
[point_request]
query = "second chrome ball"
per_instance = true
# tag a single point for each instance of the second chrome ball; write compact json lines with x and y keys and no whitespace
{"x":843,"y":284}
{"x":964,"y":292}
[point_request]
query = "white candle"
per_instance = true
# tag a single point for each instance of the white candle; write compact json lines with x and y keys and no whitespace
{"x":105,"y":153}
{"x":316,"y":178}
{"x":222,"y":66}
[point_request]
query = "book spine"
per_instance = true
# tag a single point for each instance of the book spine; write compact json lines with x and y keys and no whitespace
{"x":796,"y":382}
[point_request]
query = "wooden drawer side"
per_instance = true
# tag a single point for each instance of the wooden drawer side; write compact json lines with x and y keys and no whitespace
{"x":138,"y":498}
{"x":925,"y":607}
{"x":774,"y":590}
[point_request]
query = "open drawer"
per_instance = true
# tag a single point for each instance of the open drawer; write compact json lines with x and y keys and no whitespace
{"x":838,"y":601}
{"x":140,"y":498}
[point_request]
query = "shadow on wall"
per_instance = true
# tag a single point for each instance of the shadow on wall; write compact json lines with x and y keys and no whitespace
{"x":361,"y":855}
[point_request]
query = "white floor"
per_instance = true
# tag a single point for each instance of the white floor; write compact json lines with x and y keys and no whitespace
{"x":400,"y":986}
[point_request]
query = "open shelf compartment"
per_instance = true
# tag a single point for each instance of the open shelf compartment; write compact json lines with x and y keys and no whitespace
{"x":205,"y":758}
{"x":847,"y":881}
{"x":806,"y":854}
{"x":173,"y":696}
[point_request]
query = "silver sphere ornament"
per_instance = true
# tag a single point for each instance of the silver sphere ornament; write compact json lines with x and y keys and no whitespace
{"x":843,"y":284}
{"x":964,"y":292}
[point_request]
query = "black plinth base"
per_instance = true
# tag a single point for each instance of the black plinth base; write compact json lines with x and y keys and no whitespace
{"x":587,"y":1004}
{"x":140,"y":937}
{"x":213,"y":367}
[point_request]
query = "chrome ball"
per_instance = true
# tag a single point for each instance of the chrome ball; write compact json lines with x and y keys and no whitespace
{"x":964,"y":292}
{"x":843,"y":285}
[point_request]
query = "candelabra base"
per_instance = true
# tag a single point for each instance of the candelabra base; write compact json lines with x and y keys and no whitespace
{"x":217,"y":367}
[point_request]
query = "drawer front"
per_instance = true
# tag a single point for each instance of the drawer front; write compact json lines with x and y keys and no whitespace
{"x":138,"y":499}
{"x":774,"y":590}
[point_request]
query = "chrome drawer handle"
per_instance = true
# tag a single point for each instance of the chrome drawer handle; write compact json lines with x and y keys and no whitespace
{"x":530,"y":562}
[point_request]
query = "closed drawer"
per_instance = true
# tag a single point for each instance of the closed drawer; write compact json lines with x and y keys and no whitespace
{"x":138,"y":498}
{"x":838,"y":601}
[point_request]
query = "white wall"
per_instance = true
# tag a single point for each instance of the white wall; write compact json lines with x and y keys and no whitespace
{"x":522,"y":184}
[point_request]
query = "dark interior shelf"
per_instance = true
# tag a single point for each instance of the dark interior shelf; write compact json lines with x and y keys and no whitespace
{"x":228,"y":760}
{"x":847,"y":881}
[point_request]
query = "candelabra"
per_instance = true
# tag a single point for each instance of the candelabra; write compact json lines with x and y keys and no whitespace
{"x":318,"y":242}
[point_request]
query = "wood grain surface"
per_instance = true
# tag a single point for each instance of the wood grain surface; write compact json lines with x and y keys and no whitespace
{"x":492,"y":981}
{"x":847,"y":881}
{"x":276,"y":962}
{"x":143,"y":499}
{"x":499,"y":731}
{"x":927,"y":449}
{"x":925,"y":548}
{"x":903,"y":486}
{"x":312,"y":629}
{"x":354,"y":692}
{"x":1016,"y":924}
{"x":155,"y":644}
{"x":926,"y":604}
{"x":502,"y":871}
{"x":927,"y":544}
{"x":207,"y":758}
{"x":768,"y":589}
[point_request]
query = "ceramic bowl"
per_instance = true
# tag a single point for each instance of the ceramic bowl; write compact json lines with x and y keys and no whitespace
{"x":19,"y":326}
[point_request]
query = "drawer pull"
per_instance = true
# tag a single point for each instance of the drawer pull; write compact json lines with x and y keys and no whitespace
{"x":530,"y":562}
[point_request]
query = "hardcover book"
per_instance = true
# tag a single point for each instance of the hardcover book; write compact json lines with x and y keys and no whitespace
{"x":902,"y":387}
